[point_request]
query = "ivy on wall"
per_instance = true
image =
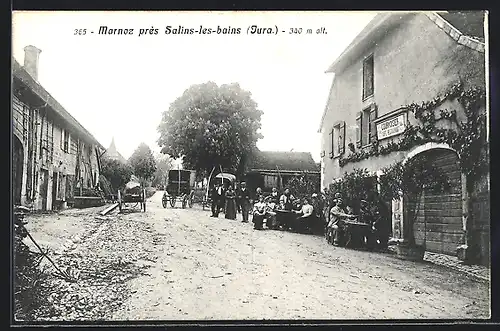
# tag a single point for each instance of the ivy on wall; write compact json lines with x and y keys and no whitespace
{"x":466,"y":138}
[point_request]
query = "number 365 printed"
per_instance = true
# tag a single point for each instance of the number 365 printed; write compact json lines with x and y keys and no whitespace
{"x":80,"y":32}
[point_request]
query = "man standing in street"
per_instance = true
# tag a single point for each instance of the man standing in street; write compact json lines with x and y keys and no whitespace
{"x":244,"y":197}
{"x":217,"y":199}
{"x":237,"y":200}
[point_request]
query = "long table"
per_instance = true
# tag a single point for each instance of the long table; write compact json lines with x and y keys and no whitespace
{"x":356,"y":232}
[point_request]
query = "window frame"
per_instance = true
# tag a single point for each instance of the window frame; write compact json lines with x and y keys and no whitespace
{"x":365,"y":96}
{"x":339,"y":148}
{"x":365,"y":127}
{"x":368,"y":125}
{"x":65,"y":141}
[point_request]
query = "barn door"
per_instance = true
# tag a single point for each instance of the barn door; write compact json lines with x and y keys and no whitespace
{"x":439,"y":220}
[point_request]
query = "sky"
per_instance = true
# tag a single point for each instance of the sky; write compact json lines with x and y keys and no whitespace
{"x":119,"y":85}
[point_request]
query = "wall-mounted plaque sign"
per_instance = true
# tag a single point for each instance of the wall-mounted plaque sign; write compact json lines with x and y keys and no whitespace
{"x":391,"y":127}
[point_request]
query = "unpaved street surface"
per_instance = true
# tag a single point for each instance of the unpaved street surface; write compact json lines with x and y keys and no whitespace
{"x":181,"y":264}
{"x":212,"y":268}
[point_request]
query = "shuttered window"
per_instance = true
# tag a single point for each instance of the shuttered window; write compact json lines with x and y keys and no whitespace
{"x":368,"y":86}
{"x":371,"y":124}
{"x":65,"y":141}
{"x":366,"y":129}
{"x":359,"y":129}
{"x":339,"y":138}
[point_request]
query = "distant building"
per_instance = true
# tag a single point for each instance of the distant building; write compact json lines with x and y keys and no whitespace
{"x":113,"y":154}
{"x":268,"y":169}
{"x":53,"y":154}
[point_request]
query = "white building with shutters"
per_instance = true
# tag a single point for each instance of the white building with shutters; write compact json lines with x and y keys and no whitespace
{"x":54,"y":156}
{"x":399,"y":59}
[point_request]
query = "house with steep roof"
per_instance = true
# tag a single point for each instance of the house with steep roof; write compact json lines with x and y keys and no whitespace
{"x":397,"y":63}
{"x":268,"y":169}
{"x":54,"y":156}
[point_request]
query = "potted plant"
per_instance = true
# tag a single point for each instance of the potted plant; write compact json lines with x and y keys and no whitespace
{"x":409,"y":180}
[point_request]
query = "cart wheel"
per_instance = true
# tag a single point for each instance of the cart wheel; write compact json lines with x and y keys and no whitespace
{"x":144,"y":200}
{"x":172,"y":201}
{"x":184,"y":202}
{"x":190,"y":201}
{"x":164,"y":202}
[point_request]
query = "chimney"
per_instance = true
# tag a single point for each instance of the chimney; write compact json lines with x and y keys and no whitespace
{"x":31,"y":55}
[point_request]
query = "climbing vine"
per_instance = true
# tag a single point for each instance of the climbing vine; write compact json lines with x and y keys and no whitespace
{"x":467,"y":138}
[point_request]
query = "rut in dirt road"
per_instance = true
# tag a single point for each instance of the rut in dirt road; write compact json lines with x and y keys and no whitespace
{"x":212,"y":268}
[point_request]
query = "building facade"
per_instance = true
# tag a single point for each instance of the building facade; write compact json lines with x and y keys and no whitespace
{"x":399,"y":61}
{"x":54,"y":156}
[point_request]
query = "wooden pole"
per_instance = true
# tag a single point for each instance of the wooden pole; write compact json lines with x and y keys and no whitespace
{"x":281,"y":179}
{"x":222,"y":176}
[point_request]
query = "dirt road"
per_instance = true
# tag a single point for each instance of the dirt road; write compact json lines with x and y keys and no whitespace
{"x":208,"y":268}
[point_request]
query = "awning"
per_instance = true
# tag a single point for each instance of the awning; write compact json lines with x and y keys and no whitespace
{"x":227,"y":176}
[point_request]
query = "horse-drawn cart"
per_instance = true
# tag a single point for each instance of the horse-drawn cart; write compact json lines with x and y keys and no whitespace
{"x":179,"y":188}
{"x":132,"y":196}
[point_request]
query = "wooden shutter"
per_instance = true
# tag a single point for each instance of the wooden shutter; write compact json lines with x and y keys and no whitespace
{"x":342,"y":138}
{"x":331,"y":144}
{"x":372,"y":127}
{"x":359,"y":128}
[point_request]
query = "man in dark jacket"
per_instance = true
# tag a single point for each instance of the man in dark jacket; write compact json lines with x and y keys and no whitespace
{"x":217,"y":195}
{"x":244,"y":198}
{"x":237,"y":200}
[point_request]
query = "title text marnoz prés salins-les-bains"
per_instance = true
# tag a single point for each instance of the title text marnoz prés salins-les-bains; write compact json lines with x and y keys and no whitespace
{"x":181,"y":30}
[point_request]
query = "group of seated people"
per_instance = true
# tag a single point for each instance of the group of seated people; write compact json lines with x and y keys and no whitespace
{"x":287,"y":212}
{"x":371,"y":224}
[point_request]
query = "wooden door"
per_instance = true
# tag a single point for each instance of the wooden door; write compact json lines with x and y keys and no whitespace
{"x":44,"y":188}
{"x":439,"y":220}
{"x":55,"y":182}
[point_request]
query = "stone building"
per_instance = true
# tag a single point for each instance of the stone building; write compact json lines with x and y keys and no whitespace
{"x":54,"y":156}
{"x":399,"y":60}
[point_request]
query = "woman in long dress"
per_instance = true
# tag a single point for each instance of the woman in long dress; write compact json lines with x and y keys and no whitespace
{"x":230,"y":203}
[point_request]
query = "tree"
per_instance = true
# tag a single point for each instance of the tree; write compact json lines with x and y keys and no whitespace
{"x":117,"y":173}
{"x":354,"y":186}
{"x":163,"y":165}
{"x":211,"y":125}
{"x":143,"y":163}
{"x":304,"y":185}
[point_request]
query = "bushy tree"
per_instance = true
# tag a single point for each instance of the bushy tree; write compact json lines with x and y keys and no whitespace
{"x":304,"y":185}
{"x":117,"y":173}
{"x":143,"y":163}
{"x":163,"y":165}
{"x":211,"y":125}
{"x":355,"y":186}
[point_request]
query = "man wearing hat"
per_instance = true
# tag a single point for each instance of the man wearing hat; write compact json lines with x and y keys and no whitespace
{"x":318,"y":206}
{"x":337,"y":214}
{"x":244,"y":198}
